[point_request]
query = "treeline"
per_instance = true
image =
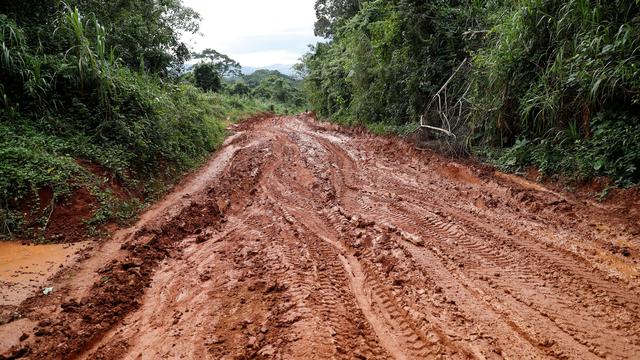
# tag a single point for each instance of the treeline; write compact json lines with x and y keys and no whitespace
{"x":549,"y":83}
{"x":270,"y":85}
{"x":219,"y":73}
{"x":95,"y":95}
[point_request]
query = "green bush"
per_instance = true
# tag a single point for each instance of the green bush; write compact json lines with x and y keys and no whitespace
{"x":84,"y":105}
{"x":272,"y":86}
{"x":549,"y":64}
{"x":206,"y":77}
{"x":612,"y":151}
{"x":385,"y":61}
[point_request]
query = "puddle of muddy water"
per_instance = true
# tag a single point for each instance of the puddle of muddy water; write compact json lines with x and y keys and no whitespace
{"x":25,"y":269}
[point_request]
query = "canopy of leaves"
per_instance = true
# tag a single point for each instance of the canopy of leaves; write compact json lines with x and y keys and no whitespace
{"x":207,"y":77}
{"x":144,"y":33}
{"x":279,"y":89}
{"x":239,"y":88}
{"x":385,"y":61}
{"x":72,"y":92}
{"x":331,"y":13}
{"x":223,"y":64}
{"x":270,"y":85}
{"x":254,"y":79}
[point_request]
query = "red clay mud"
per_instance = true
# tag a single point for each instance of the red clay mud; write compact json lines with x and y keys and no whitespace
{"x":299,"y":241}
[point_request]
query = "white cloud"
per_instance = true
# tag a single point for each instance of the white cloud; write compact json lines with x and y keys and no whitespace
{"x":255,"y":32}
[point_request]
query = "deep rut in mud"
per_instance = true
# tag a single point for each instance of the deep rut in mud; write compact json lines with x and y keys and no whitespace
{"x":298,"y":241}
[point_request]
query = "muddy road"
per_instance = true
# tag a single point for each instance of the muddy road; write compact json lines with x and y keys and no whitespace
{"x":297,"y":241}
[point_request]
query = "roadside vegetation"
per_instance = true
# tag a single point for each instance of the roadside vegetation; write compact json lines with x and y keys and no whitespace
{"x":550,"y":84}
{"x":95,"y":95}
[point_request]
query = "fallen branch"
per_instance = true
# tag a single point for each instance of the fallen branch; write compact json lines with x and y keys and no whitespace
{"x":6,"y":219}
{"x":445,"y":131}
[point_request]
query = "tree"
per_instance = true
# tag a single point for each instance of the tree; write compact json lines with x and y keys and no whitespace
{"x":225,"y":66}
{"x":279,"y":88}
{"x":240,"y":88}
{"x":207,"y":77}
{"x":331,"y":13}
{"x":142,"y":32}
{"x":254,"y":79}
{"x":146,"y":31}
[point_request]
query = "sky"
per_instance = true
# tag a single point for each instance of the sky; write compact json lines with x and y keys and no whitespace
{"x":256,"y":33}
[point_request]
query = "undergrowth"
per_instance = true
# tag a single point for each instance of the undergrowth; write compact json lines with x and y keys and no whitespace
{"x":32,"y":158}
{"x":65,"y":113}
{"x":613,"y":150}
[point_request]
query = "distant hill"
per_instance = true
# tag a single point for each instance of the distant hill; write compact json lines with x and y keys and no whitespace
{"x":248,"y":70}
{"x":254,"y":79}
{"x":283,"y":68}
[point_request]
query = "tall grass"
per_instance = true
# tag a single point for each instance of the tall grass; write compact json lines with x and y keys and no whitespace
{"x":559,"y":83}
{"x":552,"y":63}
{"x":94,"y":64}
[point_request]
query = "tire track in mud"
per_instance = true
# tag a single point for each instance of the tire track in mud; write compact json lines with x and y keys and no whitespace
{"x":377,"y":295}
{"x":478,"y":260}
{"x":402,"y":336}
{"x":334,"y":305}
{"x":484,"y":244}
{"x":482,"y":254}
{"x":354,"y":247}
{"x":560,"y":299}
{"x":612,"y":342}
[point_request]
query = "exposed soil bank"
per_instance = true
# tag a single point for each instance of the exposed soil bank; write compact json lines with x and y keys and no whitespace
{"x":299,"y":241}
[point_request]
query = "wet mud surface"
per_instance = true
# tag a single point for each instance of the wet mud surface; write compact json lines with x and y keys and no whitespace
{"x":25,"y":268}
{"x":298,"y":241}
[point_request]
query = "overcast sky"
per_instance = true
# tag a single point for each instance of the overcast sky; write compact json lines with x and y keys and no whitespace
{"x":255,"y":32}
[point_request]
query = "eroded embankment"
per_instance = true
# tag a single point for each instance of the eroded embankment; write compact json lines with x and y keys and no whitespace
{"x":298,"y":241}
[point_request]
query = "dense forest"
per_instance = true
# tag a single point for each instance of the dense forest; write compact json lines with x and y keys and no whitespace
{"x":546,"y":83}
{"x":104,"y":98}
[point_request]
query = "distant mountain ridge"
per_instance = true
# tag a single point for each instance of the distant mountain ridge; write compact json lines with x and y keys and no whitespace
{"x":248,"y":70}
{"x":283,"y":68}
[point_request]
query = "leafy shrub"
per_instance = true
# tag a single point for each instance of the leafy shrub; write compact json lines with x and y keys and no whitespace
{"x":385,"y":61}
{"x":612,"y":151}
{"x":64,"y":109}
{"x":206,"y":77}
{"x":553,"y":83}
{"x":271,"y":86}
{"x":145,"y":33}
{"x":549,"y":64}
{"x":239,"y":88}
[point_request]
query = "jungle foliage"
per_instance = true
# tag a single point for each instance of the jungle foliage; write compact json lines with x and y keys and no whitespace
{"x":553,"y":83}
{"x":270,"y":85}
{"x":99,"y":83}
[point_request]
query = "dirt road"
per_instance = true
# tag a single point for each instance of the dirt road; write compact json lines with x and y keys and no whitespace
{"x":297,"y":241}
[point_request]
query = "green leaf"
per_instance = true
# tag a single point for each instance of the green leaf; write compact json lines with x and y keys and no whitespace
{"x":599,"y":164}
